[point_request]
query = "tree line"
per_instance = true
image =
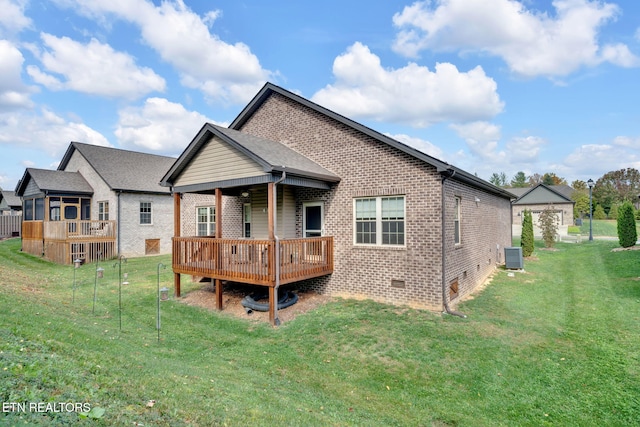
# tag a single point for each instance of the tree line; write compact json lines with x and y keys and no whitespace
{"x":609,"y":192}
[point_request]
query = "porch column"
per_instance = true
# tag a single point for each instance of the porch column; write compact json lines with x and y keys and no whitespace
{"x":271,"y":206}
{"x":176,"y":233}
{"x":218,"y":282}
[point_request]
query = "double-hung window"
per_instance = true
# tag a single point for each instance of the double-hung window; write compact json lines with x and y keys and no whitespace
{"x":206,"y":220}
{"x":103,"y":211}
{"x":379,"y":221}
{"x":456,"y":221}
{"x":145,"y":213}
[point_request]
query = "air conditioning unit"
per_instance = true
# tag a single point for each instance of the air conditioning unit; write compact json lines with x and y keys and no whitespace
{"x":513,"y":258}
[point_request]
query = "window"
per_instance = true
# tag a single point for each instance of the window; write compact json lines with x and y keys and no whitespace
{"x":456,"y":221}
{"x":39,"y":209}
{"x":103,"y":211}
{"x":145,"y":212}
{"x":28,"y":209}
{"x":206,"y":221}
{"x":54,"y":209}
{"x":379,"y":221}
{"x":246,"y":214}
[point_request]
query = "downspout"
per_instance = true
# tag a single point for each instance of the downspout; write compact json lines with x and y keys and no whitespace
{"x":276,"y":320}
{"x":118,"y":192}
{"x":445,"y":175}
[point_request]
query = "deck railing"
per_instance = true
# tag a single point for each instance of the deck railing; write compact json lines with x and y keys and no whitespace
{"x":253,"y":261}
{"x":91,"y":230}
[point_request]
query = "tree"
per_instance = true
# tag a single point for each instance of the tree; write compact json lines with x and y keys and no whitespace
{"x":613,"y":212}
{"x":579,"y":185}
{"x":548,"y":222}
{"x":598,"y":213}
{"x":519,"y":180}
{"x":551,"y":178}
{"x":627,"y":234}
{"x":617,"y":187}
{"x":499,"y":179}
{"x":581,"y":207}
{"x":535,"y":179}
{"x":527,"y":233}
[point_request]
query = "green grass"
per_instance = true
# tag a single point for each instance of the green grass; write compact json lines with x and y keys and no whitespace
{"x":603,"y":227}
{"x":558,"y":344}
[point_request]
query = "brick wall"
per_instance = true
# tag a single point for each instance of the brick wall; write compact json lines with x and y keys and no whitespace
{"x":368,"y":167}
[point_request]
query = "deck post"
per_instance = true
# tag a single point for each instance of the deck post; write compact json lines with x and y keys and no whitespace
{"x":176,"y":233}
{"x":271,"y":208}
{"x":219,"y":291}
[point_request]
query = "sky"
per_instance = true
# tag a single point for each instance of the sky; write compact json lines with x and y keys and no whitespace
{"x":490,"y":86}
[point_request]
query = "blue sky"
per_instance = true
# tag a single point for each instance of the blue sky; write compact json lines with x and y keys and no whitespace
{"x":487,"y":85}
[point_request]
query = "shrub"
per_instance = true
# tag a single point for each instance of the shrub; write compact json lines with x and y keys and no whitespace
{"x":527,"y":233}
{"x":548,"y":222}
{"x":613,"y":212}
{"x":598,"y":213}
{"x":627,"y":234}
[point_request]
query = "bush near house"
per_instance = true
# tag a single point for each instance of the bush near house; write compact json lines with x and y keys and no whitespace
{"x":548,"y":222}
{"x":527,"y":233}
{"x":627,"y":233}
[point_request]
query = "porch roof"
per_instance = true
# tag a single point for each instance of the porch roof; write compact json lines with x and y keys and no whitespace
{"x":274,"y":158}
{"x":52,"y":182}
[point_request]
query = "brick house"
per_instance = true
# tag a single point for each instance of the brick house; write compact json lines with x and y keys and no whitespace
{"x":100,"y":203}
{"x":326,"y":203}
{"x":537,"y":199}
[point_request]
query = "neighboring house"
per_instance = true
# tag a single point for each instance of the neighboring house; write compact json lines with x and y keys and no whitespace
{"x":10,"y":214}
{"x":537,"y":199}
{"x":100,"y":203}
{"x":10,"y":204}
{"x":329,"y":204}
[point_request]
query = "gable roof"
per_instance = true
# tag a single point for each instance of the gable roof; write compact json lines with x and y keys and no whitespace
{"x":272,"y":156}
{"x":9,"y":199}
{"x":56,"y":182}
{"x":544,"y":194}
{"x":443,"y":167}
{"x":123,"y":170}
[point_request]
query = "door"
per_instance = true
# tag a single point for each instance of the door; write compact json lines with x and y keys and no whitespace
{"x":313,"y":219}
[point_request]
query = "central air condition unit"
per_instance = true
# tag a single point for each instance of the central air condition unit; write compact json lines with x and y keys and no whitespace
{"x":513,"y":258}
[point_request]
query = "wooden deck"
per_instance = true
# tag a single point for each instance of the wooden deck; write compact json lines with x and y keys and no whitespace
{"x":253,"y":261}
{"x":64,"y":241}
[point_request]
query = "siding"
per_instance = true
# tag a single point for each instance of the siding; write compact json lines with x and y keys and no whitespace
{"x":218,"y":161}
{"x":286,"y":226}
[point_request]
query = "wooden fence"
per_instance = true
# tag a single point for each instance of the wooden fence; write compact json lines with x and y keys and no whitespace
{"x":10,"y":225}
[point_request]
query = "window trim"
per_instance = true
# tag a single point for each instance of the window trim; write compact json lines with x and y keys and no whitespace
{"x":103,"y":210}
{"x":150,"y":213}
{"x":457,"y":221}
{"x":379,"y":222}
{"x":211,"y":226}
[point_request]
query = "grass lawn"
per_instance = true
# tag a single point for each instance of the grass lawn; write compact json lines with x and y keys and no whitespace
{"x":558,"y":344}
{"x":603,"y":227}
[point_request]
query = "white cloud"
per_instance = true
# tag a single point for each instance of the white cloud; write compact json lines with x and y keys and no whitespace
{"x":223,"y":71}
{"x":93,"y":68}
{"x":12,"y":18}
{"x":598,"y":159}
{"x":419,"y":144}
{"x":413,"y":94}
{"x":531,"y":43}
{"x":626,"y":141}
{"x":524,"y":150}
{"x":13,"y":93}
{"x":159,"y":125}
{"x":481,"y":137}
{"x":46,"y":132}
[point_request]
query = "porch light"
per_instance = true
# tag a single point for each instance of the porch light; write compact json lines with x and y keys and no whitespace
{"x":245,"y":194}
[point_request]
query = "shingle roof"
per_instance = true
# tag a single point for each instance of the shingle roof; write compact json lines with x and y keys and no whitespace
{"x":441,"y":166}
{"x":271,"y":155}
{"x":52,"y":181}
{"x":10,"y":198}
{"x":123,"y":170}
{"x":542,"y":193}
